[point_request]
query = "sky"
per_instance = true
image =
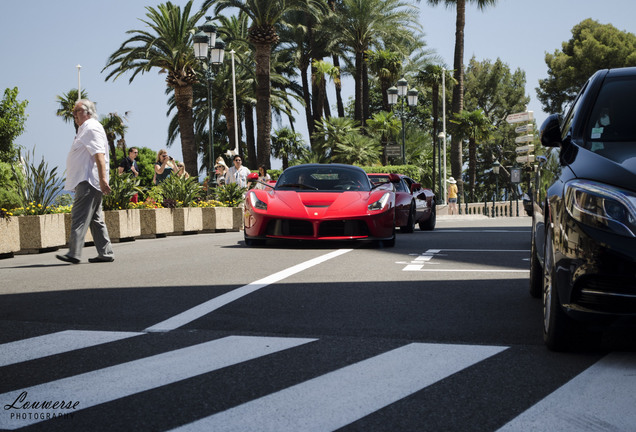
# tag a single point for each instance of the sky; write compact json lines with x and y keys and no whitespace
{"x":42,"y":42}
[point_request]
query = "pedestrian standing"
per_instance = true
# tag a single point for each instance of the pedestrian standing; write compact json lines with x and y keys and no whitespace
{"x":87,"y":175}
{"x":452,"y":196}
{"x":129,"y":165}
{"x":237,"y":173}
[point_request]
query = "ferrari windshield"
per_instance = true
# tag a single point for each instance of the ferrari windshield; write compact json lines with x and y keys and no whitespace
{"x":322,"y":178}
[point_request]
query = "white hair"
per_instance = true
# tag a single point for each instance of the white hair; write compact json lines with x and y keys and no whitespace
{"x":89,"y":107}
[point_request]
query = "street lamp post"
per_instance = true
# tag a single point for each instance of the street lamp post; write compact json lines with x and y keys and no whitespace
{"x":79,"y":90}
{"x":441,"y":138}
{"x":210,"y":51}
{"x":393,"y":94}
{"x":495,"y":169}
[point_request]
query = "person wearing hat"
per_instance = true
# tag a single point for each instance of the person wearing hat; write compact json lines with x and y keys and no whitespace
{"x":220,"y":170}
{"x":452,"y":196}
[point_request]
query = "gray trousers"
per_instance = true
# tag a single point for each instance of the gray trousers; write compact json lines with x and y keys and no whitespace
{"x":87,"y":212}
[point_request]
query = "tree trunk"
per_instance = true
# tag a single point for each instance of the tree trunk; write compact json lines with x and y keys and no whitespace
{"x":307,"y":100}
{"x":458,"y":93}
{"x":183,"y":101}
{"x":435,"y":97}
{"x":365,"y":94}
{"x":338,"y":85}
{"x":472,"y":166}
{"x":358,"y":78}
{"x":250,"y":142}
{"x":263,"y":104}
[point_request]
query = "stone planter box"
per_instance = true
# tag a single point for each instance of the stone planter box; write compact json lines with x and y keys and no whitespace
{"x":42,"y":232}
{"x":9,"y":235}
{"x":156,"y":222}
{"x":67,"y":225}
{"x":123,"y":224}
{"x":222,"y":218}
{"x":187,"y":219}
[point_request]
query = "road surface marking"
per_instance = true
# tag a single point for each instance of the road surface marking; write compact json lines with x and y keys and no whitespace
{"x":418,"y":263}
{"x":600,"y":398}
{"x":56,"y":343}
{"x":126,"y":379}
{"x":341,"y":397}
{"x":217,"y":302}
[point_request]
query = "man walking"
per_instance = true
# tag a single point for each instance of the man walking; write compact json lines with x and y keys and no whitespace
{"x":87,"y":174}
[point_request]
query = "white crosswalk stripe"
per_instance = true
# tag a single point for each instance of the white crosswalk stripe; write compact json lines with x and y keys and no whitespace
{"x":56,"y":343}
{"x":338,"y":398}
{"x":602,"y":397}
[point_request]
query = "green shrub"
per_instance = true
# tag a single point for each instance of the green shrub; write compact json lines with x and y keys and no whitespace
{"x":123,"y":187}
{"x":180,"y":191}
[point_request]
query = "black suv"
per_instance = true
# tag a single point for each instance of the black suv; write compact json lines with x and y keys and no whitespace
{"x":584,"y":212}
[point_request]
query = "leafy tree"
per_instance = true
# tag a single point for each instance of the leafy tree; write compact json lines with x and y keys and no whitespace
{"x":12,"y":119}
{"x":495,"y":89}
{"x":492,"y":88}
{"x":457,"y":104}
{"x":166,"y":47}
{"x":287,"y":145}
{"x":67,"y":103}
{"x":9,"y":198}
{"x":593,"y":46}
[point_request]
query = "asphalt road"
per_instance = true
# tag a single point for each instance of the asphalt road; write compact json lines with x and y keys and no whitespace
{"x":202,"y":333}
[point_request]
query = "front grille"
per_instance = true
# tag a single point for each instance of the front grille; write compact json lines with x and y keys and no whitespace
{"x":303,"y":228}
{"x":343,"y":228}
{"x":290,"y":227}
{"x":606,"y":294}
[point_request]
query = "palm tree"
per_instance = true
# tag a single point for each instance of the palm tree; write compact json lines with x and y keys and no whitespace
{"x":384,"y":126}
{"x":67,"y":103}
{"x":265,"y":16}
{"x":457,"y":103}
{"x":360,"y":25}
{"x":113,"y":125}
{"x":386,"y":65}
{"x":168,"y":48}
{"x":287,"y":145}
{"x":473,"y":126}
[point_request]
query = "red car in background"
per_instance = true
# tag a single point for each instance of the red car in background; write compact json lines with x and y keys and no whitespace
{"x":413,"y":204}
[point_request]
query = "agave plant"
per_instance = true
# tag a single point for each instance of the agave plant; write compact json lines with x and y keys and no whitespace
{"x":122,"y":187}
{"x":231,"y":195}
{"x":180,"y":191}
{"x":37,"y":186}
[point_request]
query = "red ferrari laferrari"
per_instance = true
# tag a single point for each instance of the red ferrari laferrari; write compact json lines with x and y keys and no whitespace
{"x":320,"y":202}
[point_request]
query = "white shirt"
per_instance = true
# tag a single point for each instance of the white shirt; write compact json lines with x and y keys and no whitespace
{"x":237,"y":176}
{"x":80,"y":162}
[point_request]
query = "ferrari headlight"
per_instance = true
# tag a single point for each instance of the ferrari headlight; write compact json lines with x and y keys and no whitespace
{"x":379,"y":204}
{"x":256,"y":203}
{"x":602,"y":206}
